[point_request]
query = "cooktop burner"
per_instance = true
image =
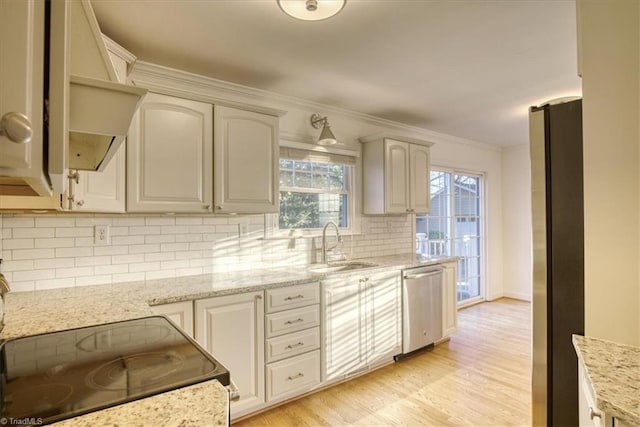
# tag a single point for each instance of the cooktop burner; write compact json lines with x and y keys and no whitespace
{"x":68,"y":373}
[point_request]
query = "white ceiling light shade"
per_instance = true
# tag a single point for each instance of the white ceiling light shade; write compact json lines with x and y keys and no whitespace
{"x":311,"y":10}
{"x":326,"y":136}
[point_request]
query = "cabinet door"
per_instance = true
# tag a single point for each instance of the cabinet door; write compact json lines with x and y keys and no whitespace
{"x":384,"y":314}
{"x":344,"y":330}
{"x":181,"y":313}
{"x":170,"y":158}
{"x":420,"y":180}
{"x":231,"y":328}
{"x":449,"y":301}
{"x":21,"y":79}
{"x":102,"y":191}
{"x":105,"y":191}
{"x":396,"y":176}
{"x":246,"y":161}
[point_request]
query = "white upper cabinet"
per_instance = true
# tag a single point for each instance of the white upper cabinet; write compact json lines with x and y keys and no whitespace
{"x":396,"y":183}
{"x":21,"y":99}
{"x":246,"y":161}
{"x":395,"y":175}
{"x":419,"y":182}
{"x":170,"y":158}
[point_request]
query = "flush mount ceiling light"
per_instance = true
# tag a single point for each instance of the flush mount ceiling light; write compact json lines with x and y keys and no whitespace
{"x":326,"y":136}
{"x":311,"y":10}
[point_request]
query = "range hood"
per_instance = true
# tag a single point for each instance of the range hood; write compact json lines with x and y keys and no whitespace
{"x":100,"y":108}
{"x":100,"y":113}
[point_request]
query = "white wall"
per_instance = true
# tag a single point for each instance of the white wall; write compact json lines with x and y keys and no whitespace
{"x":610,"y":55}
{"x":516,"y":225}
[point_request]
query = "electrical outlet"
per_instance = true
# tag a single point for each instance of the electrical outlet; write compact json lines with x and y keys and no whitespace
{"x":101,"y":235}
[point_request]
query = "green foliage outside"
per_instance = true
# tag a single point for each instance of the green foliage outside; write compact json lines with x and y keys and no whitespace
{"x":306,"y":208}
{"x":299,"y":210}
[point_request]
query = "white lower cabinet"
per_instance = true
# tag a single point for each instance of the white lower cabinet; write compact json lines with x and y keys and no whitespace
{"x":292,"y":347}
{"x":293,"y":376}
{"x":589,"y":415}
{"x":231,"y":328}
{"x":294,"y":320}
{"x":292,"y":344}
{"x":180,"y":313}
{"x":449,"y":299}
{"x":361,"y":322}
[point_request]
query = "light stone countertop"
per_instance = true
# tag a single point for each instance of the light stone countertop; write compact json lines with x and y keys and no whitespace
{"x":614,"y":373}
{"x":203,"y":404}
{"x":30,"y":313}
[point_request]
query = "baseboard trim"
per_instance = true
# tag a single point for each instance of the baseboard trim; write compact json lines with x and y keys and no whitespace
{"x":518,"y":296}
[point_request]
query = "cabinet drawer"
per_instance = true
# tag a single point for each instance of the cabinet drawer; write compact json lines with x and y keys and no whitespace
{"x":292,"y":320}
{"x":293,"y":376}
{"x":292,"y":297}
{"x":292,"y":344}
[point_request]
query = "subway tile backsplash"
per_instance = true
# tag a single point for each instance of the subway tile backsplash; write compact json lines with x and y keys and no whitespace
{"x":57,"y":250}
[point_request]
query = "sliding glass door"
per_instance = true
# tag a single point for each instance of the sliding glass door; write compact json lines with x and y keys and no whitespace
{"x":454,"y":227}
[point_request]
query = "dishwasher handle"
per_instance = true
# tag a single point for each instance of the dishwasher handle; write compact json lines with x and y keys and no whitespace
{"x":421,"y":275}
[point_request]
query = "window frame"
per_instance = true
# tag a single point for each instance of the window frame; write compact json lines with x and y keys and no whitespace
{"x":348,"y":190}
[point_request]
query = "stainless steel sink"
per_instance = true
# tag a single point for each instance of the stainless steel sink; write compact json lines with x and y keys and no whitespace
{"x":340,"y":266}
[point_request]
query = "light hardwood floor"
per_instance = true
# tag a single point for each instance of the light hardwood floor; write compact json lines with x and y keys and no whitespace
{"x":481,"y":377}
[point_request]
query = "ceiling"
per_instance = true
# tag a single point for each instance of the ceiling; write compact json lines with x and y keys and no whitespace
{"x":468,"y":68}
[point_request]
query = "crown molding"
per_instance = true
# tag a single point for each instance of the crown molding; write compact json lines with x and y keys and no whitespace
{"x":169,"y":81}
{"x":123,"y":53}
{"x":384,"y":135}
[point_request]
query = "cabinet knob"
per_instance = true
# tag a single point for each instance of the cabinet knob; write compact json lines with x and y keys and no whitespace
{"x":16,"y":127}
{"x":80,"y":203}
{"x":219,"y":207}
{"x":206,"y":207}
{"x":594,"y":414}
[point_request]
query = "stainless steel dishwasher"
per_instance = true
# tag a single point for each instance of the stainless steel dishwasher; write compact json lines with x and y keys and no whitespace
{"x":421,"y":307}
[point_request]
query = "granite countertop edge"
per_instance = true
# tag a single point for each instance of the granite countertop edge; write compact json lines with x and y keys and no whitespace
{"x":204,"y":403}
{"x":613,"y":370}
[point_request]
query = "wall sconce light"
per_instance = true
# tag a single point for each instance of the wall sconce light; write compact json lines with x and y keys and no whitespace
{"x":326,"y":136}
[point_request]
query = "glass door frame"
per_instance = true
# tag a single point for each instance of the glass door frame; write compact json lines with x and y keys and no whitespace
{"x":482,"y":228}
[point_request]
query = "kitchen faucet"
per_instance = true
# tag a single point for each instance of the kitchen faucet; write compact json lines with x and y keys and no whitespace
{"x":324,"y":240}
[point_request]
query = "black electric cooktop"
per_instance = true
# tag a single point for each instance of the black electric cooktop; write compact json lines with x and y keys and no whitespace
{"x":50,"y":377}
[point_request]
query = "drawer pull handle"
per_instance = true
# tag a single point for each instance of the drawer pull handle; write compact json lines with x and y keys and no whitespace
{"x":292,"y":298}
{"x":594,"y":414}
{"x":291,"y":322}
{"x":293,"y":377}
{"x":292,"y":346}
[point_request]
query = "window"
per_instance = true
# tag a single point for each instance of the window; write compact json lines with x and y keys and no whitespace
{"x":454,"y":227}
{"x":314,"y":190}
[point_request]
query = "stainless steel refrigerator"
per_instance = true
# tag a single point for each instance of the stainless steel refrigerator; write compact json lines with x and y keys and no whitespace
{"x":558,"y":259}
